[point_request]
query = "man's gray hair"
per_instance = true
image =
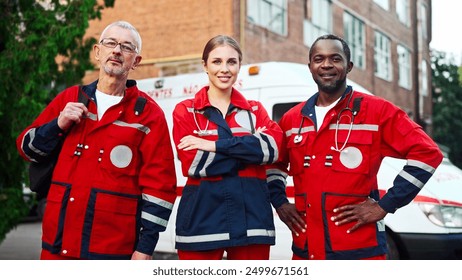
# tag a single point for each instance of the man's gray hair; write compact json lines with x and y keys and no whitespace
{"x":125,"y":25}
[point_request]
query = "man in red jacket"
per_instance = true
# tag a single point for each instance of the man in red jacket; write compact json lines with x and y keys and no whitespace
{"x":335,"y":142}
{"x":113,"y":187}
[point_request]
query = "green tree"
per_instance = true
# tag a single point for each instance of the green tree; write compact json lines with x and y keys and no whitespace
{"x":447,"y":109}
{"x":42,"y":51}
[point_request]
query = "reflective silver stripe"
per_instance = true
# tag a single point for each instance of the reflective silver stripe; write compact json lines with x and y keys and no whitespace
{"x":92,"y":117}
{"x":421,"y":165}
{"x":303,"y":130}
{"x":276,"y":177}
{"x":264,"y":148}
{"x":195,"y":162}
{"x":209,"y":160}
{"x":367,"y":127}
{"x":381,"y":225}
{"x":240,"y":130}
{"x":276,"y":172}
{"x":31,"y":133}
{"x":154,"y":219}
{"x":138,"y":126}
{"x":202,"y":238}
{"x":261,"y":232}
{"x":274,"y":146}
{"x":158,"y":201}
{"x":411,"y":179}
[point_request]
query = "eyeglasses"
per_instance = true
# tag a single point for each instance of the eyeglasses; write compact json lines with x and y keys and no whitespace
{"x":125,"y":47}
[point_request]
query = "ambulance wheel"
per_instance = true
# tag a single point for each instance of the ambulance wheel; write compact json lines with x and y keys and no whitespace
{"x":393,"y":252}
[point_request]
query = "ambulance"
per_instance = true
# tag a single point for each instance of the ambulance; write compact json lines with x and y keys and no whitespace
{"x":430,"y":227}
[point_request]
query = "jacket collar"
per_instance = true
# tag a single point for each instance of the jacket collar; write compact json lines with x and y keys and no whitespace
{"x":130,"y":92}
{"x":308,"y":108}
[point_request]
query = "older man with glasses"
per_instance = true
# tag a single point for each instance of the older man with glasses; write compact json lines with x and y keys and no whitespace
{"x":113,"y":186}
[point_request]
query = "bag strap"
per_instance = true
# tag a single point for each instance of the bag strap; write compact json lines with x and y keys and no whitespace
{"x":139,"y":105}
{"x":83,"y":98}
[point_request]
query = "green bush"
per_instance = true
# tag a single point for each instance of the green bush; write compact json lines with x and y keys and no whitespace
{"x":32,"y":35}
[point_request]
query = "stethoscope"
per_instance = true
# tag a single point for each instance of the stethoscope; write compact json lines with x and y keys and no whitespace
{"x":354,"y":111}
{"x":199,"y":131}
{"x":206,"y":132}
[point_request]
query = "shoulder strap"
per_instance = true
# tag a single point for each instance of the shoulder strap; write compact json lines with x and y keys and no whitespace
{"x":139,"y":105}
{"x":356,"y":105}
{"x":82,"y":98}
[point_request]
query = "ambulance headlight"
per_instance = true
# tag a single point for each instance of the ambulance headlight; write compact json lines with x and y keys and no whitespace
{"x":443,"y":215}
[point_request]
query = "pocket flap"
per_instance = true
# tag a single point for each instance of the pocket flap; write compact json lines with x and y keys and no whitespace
{"x":116,"y":204}
{"x":333,"y":201}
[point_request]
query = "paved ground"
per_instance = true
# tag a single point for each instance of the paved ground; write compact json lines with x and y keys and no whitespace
{"x":23,"y":243}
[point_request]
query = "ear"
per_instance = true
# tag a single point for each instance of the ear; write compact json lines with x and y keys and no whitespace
{"x":350,"y":67}
{"x":137,"y":62}
{"x":96,"y":50}
{"x":204,"y":66}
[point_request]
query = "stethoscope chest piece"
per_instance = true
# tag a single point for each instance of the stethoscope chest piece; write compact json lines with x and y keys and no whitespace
{"x":201,"y":132}
{"x":298,"y":138}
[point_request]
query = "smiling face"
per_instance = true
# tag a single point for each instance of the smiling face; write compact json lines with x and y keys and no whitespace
{"x":329,"y":66}
{"x":114,"y":61}
{"x":222,"y":67}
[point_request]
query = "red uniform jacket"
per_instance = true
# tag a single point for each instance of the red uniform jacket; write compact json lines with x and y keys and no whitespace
{"x":226,"y":201}
{"x":327,"y":176}
{"x":114,"y":184}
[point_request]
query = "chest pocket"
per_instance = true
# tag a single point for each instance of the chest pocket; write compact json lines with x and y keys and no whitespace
{"x":297,"y":147}
{"x":355,"y":157}
{"x":119,"y":152}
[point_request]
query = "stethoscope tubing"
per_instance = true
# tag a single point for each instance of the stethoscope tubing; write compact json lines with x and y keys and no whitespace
{"x":299,"y":137}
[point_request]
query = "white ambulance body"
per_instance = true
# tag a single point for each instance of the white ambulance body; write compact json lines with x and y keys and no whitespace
{"x":429,"y":227}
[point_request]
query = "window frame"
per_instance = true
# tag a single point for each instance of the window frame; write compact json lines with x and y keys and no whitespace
{"x":384,"y":4}
{"x":382,"y":56}
{"x":355,"y":27}
{"x":404,"y":67}
{"x":318,"y":21}
{"x":264,"y":13}
{"x":403,"y":12}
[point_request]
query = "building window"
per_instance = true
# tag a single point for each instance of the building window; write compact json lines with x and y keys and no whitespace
{"x":318,"y":20}
{"x":424,"y":89}
{"x":382,"y":56}
{"x":385,"y":4}
{"x":355,"y":36}
{"x":270,"y":14}
{"x":404,"y":67}
{"x":403,"y":11}
{"x":423,"y":21}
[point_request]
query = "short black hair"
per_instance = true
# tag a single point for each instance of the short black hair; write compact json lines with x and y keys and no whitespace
{"x":346,"y":48}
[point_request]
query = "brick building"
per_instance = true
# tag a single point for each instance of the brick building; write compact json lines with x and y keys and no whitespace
{"x":389,"y":38}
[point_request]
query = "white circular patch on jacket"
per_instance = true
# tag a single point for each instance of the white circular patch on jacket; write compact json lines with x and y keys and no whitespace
{"x":121,"y":156}
{"x":351,"y":157}
{"x":243,"y":120}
